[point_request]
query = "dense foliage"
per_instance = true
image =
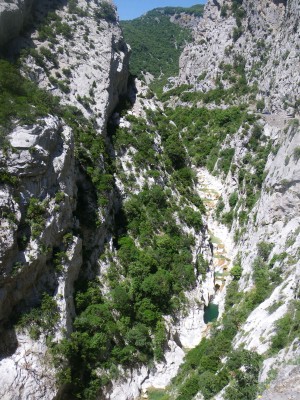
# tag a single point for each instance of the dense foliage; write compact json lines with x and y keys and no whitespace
{"x":156,"y":44}
{"x":196,"y":10}
{"x":41,"y":319}
{"x":148,"y":271}
{"x":206,"y":369}
{"x":206,"y":131}
{"x":20,"y":99}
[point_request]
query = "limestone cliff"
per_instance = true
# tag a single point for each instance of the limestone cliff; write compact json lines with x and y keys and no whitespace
{"x":264,"y":33}
{"x":40,"y":202}
{"x":13,"y":17}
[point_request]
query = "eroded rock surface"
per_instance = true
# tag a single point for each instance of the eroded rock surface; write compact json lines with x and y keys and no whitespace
{"x":268,"y":43}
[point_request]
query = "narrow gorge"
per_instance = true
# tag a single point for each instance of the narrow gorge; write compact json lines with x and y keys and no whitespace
{"x":149,"y":201}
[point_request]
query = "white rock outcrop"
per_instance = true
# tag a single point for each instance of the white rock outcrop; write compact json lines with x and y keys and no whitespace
{"x":41,"y":158}
{"x":268,"y":43}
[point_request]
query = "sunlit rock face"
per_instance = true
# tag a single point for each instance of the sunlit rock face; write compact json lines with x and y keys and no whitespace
{"x":41,"y":159}
{"x":268,"y":42}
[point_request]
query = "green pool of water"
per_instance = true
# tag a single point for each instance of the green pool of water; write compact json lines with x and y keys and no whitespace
{"x":211,"y":313}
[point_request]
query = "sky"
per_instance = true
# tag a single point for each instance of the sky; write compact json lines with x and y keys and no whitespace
{"x":129,"y":9}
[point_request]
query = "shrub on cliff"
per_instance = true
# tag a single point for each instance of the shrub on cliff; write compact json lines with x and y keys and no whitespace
{"x":106,"y":11}
{"x":20,"y":99}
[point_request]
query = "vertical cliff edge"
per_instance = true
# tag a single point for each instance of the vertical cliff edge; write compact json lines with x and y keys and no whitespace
{"x":49,"y":201}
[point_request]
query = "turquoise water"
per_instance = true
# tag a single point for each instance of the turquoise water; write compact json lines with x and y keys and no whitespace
{"x":211,"y":313}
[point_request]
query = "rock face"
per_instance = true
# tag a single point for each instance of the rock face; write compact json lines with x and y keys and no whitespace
{"x":13,"y":16}
{"x":267,"y":39}
{"x":286,"y":383}
{"x":89,"y":63}
{"x":43,"y":160}
{"x":39,"y":251}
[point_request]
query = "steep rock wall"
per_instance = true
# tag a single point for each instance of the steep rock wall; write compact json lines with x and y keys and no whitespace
{"x":267,"y":38}
{"x":46,"y":254}
{"x":13,"y":16}
{"x":268,"y":41}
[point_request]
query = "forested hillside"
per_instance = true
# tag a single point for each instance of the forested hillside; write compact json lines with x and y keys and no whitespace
{"x":157,"y":42}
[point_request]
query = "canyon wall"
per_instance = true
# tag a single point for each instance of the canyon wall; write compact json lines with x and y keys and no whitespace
{"x":50,"y":182}
{"x":265,"y":36}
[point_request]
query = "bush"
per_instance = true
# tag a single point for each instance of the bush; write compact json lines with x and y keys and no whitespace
{"x":6,"y":177}
{"x":189,"y":389}
{"x":227,"y":218}
{"x":21,"y":99}
{"x":42,"y":319}
{"x":233,"y":199}
{"x":260,"y":105}
{"x":106,"y":11}
{"x":244,"y":365}
{"x":225,"y":160}
{"x":175,"y":151}
{"x":220,"y":207}
{"x":191,"y":218}
{"x":36,"y":216}
{"x":287,"y":328}
{"x":236,"y":272}
{"x":264,"y":250}
{"x":237,"y":33}
{"x":224,"y":10}
{"x":297,"y":153}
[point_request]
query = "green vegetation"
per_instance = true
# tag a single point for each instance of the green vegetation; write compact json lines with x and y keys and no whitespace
{"x":236,"y":272}
{"x":260,"y":105}
{"x":156,"y":43}
{"x":149,"y":270}
{"x":106,"y":11}
{"x":150,"y":265}
{"x":233,"y":199}
{"x":177,"y":91}
{"x":52,"y":26}
{"x":36,"y":216}
{"x":41,"y":319}
{"x":206,"y":130}
{"x":239,"y":14}
{"x":89,"y":148}
{"x":297,"y":153}
{"x":264,"y":250}
{"x":6,"y":177}
{"x":156,"y":394}
{"x":287,"y":328}
{"x":21,"y":100}
{"x":203,"y":371}
{"x":232,"y":74}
